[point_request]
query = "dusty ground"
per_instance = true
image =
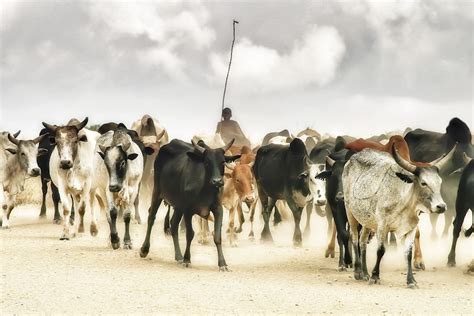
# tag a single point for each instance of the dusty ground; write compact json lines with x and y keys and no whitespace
{"x":40,"y":274}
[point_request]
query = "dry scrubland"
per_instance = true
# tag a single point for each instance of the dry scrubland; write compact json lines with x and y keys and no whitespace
{"x":39,"y":273}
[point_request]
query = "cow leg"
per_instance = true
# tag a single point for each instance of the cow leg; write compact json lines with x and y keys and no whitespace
{"x":73,"y":212}
{"x":381,"y":237}
{"x":218,"y":214}
{"x":393,"y":240}
{"x":448,"y":218}
{"x":331,"y":233}
{"x":66,"y":201}
{"x":297,"y":240}
{"x":340,"y":220}
{"x":461,"y":211}
{"x":188,"y":220}
{"x":409,"y":239}
{"x":112,"y":219}
{"x":240,"y":216}
{"x":175,"y":219}
{"x":268,"y":204}
{"x":56,"y":199}
{"x":252,"y":216}
{"x":166,"y":227}
{"x":307,"y":228}
{"x":44,"y":190}
{"x":230,"y":231}
{"x":81,"y":210}
{"x":94,"y":230}
{"x":155,"y":204}
{"x":276,"y":216}
{"x":418,"y":258}
{"x":136,"y":205}
{"x":127,"y":241}
{"x":4,"y":222}
{"x":434,"y":221}
{"x":203,"y":236}
{"x":363,"y":241}
{"x":358,"y":275}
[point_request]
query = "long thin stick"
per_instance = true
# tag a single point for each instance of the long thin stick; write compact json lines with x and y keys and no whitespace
{"x":230,"y":62}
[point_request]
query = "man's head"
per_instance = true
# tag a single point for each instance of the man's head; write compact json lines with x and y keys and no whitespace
{"x":226,"y":114}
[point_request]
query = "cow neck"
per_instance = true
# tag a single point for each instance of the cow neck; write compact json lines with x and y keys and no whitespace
{"x":412,"y":203}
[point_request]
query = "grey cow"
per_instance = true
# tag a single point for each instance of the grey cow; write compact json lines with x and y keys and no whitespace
{"x":385,"y":194}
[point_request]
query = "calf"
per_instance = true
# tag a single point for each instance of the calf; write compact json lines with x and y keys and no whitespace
{"x":189,"y":177}
{"x":383,"y":194}
{"x":119,"y":171}
{"x":464,"y":202}
{"x":72,"y":166}
{"x":18,"y":163}
{"x":282,"y":172}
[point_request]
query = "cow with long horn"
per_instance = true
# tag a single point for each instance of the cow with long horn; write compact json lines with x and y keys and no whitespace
{"x":189,"y":177}
{"x":385,"y":194}
{"x":71,"y":166}
{"x":19,"y":162}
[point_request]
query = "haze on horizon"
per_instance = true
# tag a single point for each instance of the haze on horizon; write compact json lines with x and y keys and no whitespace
{"x":359,"y":68}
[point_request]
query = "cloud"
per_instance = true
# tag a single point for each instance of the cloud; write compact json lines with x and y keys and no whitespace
{"x":313,"y":60}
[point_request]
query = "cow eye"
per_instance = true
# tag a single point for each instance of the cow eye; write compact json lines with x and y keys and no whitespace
{"x":424,"y":184}
{"x":23,"y":154}
{"x":122,"y":164}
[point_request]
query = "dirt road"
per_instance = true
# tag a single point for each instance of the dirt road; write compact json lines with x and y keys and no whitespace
{"x":40,"y":274}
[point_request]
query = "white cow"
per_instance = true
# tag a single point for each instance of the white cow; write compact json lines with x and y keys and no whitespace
{"x":17,"y":162}
{"x":118,"y":174}
{"x":71,"y":167}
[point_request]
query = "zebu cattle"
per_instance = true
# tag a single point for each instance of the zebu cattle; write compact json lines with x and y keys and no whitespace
{"x":464,"y":202}
{"x":119,"y":168}
{"x":17,"y":162}
{"x":71,"y":167}
{"x":269,"y":136}
{"x":282,"y":172}
{"x":384,"y":194}
{"x":399,"y":143}
{"x":145,"y":150}
{"x":189,"y":177}
{"x":426,"y":146}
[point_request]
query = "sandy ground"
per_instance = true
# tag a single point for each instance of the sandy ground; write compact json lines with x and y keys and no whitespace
{"x":41,"y":274}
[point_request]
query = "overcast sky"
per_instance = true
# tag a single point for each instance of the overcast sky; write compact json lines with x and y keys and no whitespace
{"x":352,"y":67}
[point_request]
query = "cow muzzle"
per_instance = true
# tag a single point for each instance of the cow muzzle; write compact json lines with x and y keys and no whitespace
{"x":320,"y":201}
{"x":339,"y":197}
{"x":440,"y":208}
{"x":34,"y":172}
{"x":217,"y":182}
{"x":65,"y":164}
{"x":115,"y":188}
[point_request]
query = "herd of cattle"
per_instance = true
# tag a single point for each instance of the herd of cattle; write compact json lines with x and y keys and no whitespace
{"x":365,"y":187}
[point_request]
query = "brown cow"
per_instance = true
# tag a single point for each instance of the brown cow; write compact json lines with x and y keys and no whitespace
{"x":401,"y":146}
{"x":238,"y":188}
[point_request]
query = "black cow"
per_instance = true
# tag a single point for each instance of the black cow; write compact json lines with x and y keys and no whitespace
{"x":190,"y":179}
{"x":464,"y":202}
{"x":335,"y":162}
{"x":427,"y":146}
{"x":282,"y":173}
{"x":43,"y":163}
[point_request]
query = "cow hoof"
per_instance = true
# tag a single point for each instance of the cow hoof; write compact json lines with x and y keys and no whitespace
{"x":186,"y":264}
{"x":412,"y":285}
{"x":374,"y":280}
{"x":81,"y":229}
{"x":341,"y":269}
{"x":168,"y":231}
{"x":238,"y":230}
{"x":329,"y":252}
{"x":224,"y":269}
{"x":419,"y":265}
{"x":115,"y":245}
{"x":94,"y":230}
{"x":58,"y":221}
{"x":127,"y":245}
{"x":64,"y":237}
{"x":298,"y":244}
{"x":359,"y":275}
{"x":5,"y":227}
{"x":144,"y":252}
{"x":138,"y":221}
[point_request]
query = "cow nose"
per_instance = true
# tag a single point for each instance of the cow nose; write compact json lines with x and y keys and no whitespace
{"x":440,"y":208}
{"x":35,"y":172}
{"x":114,"y":188}
{"x":218,"y":182}
{"x":339,"y":197}
{"x":249,"y":199}
{"x":320,"y":202}
{"x":65,"y":164}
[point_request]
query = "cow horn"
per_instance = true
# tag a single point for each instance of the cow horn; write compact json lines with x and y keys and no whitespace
{"x":160,"y":135}
{"x":125,"y":146}
{"x":441,"y":162}
{"x":39,"y":138}
{"x":402,"y":162}
{"x":49,"y":127}
{"x":13,"y":139}
{"x":198,"y":147}
{"x":330,"y":161}
{"x":466,"y":158}
{"x":16,"y":134}
{"x":82,"y":124}
{"x":227,"y":147}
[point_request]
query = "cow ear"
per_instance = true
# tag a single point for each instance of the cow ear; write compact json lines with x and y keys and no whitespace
{"x":404,"y":177}
{"x":101,"y":154}
{"x":132,"y":156}
{"x":230,"y":165}
{"x":148,"y":151}
{"x":303,"y":175}
{"x":42,"y":151}
{"x":83,"y":138}
{"x":232,"y":158}
{"x":324,"y":175}
{"x":195,"y":155}
{"x":11,"y":151}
